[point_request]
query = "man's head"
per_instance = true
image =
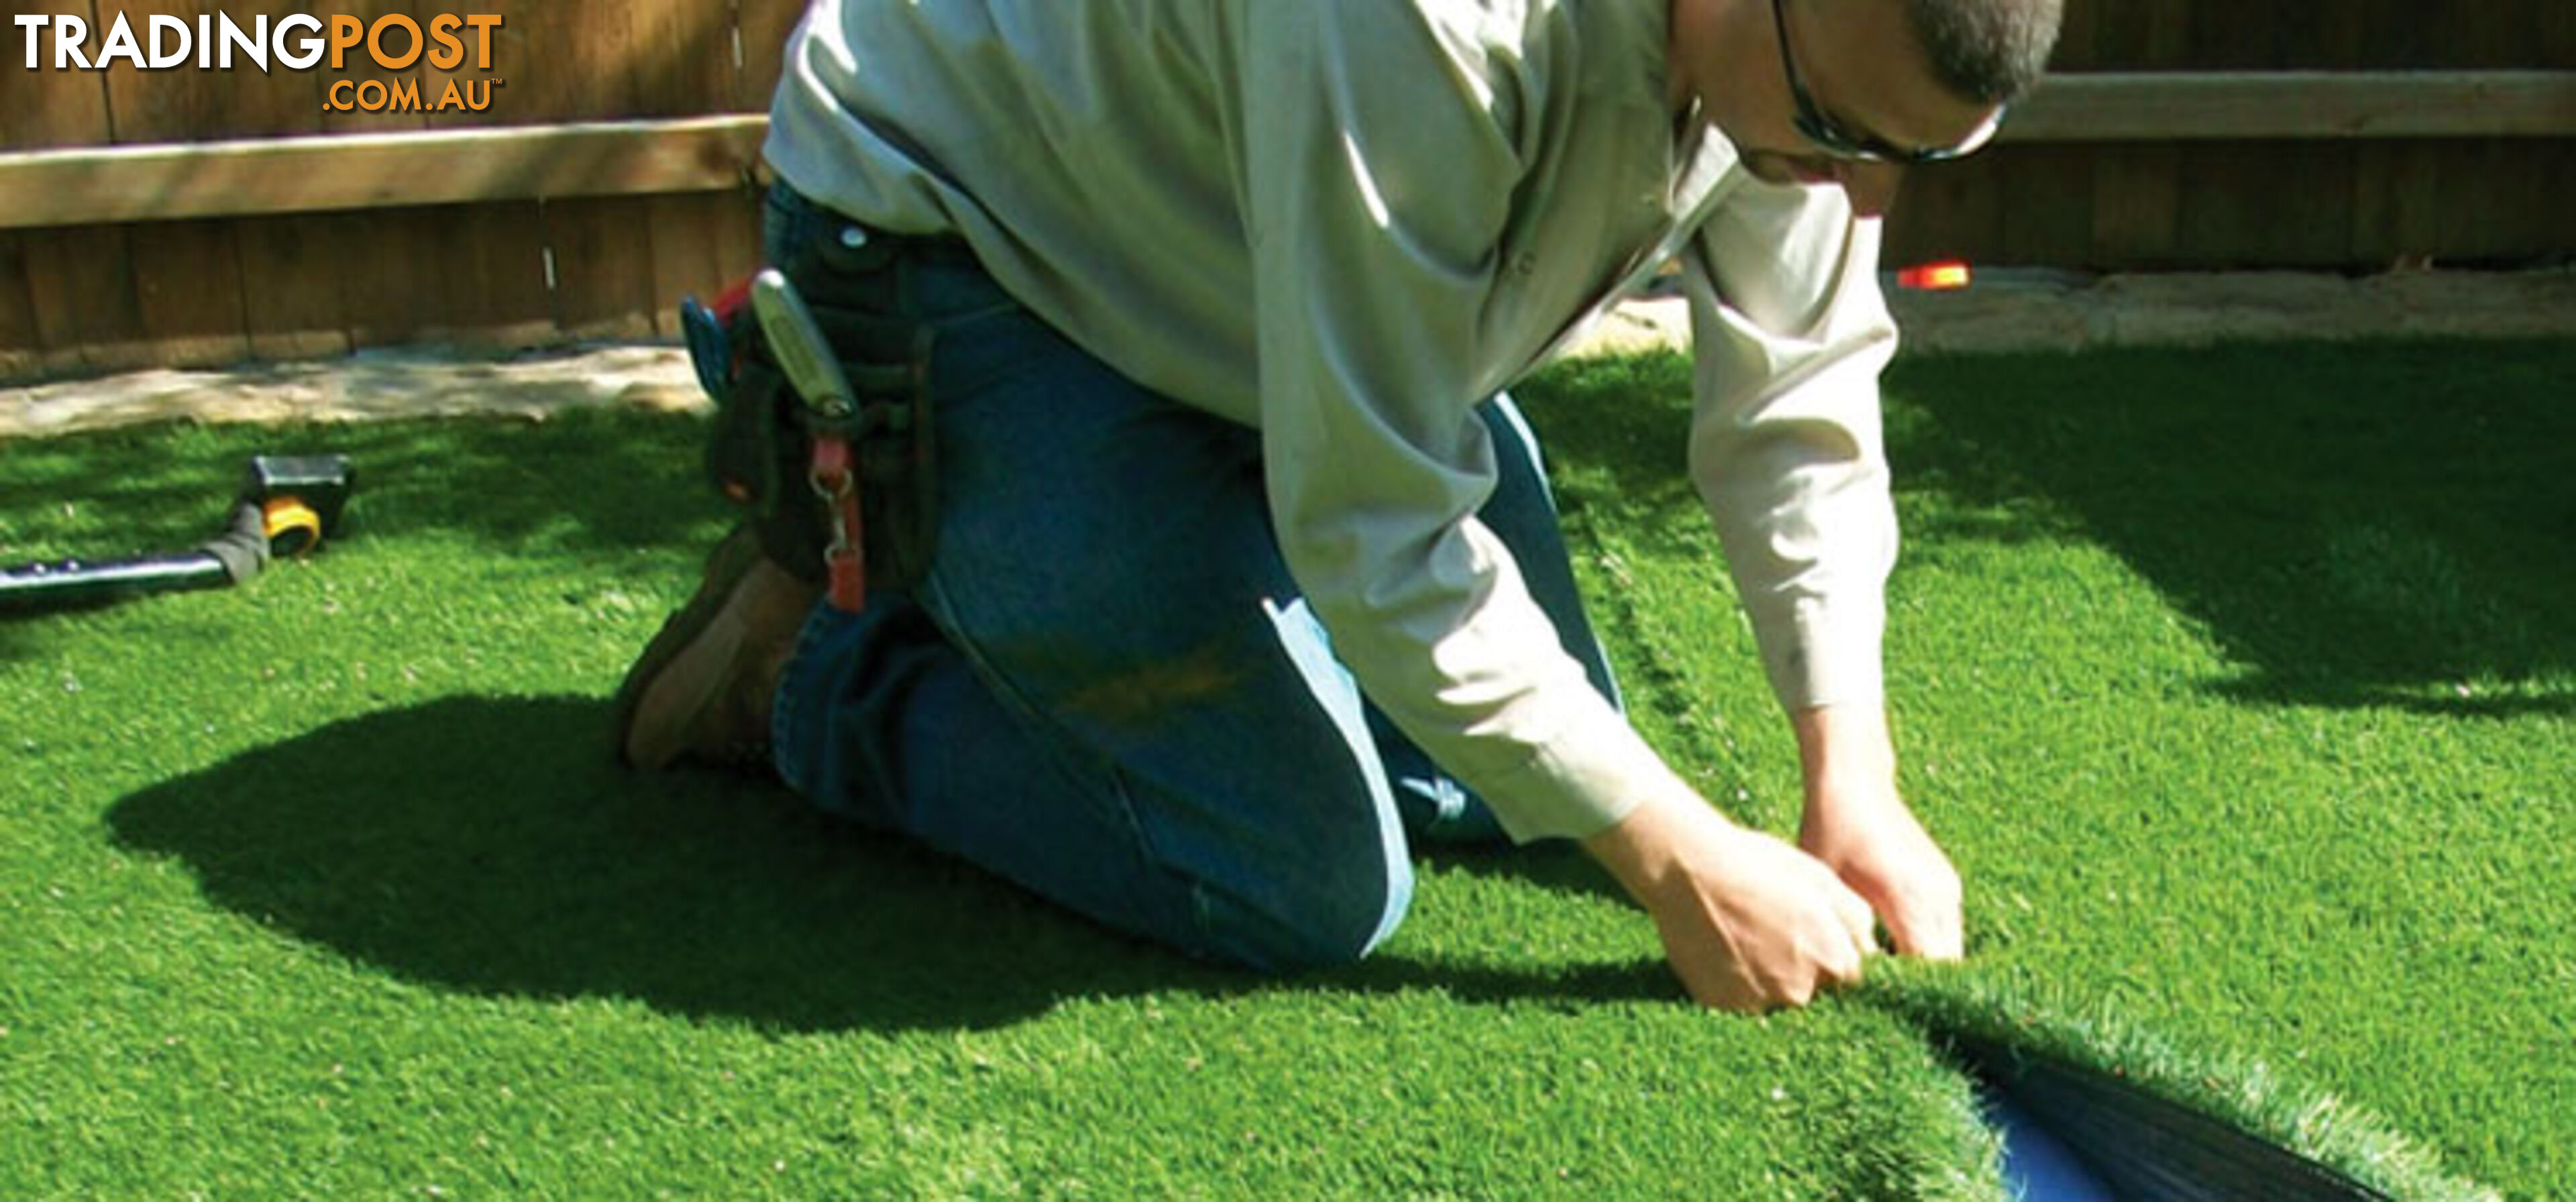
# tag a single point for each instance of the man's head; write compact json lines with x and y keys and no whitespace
{"x":1846,"y":92}
{"x":1989,"y":51}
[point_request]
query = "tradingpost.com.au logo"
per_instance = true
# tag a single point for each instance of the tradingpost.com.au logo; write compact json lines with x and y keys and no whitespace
{"x":296,"y":42}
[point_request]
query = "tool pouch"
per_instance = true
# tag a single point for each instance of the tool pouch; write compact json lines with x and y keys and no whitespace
{"x":761,"y":447}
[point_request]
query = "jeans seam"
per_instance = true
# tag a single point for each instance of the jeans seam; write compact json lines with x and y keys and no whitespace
{"x":783,"y":709}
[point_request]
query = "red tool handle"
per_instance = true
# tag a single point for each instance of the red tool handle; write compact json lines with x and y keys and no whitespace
{"x":845,"y":560}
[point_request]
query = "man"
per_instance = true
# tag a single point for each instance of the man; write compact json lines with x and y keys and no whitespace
{"x":1245,"y":571}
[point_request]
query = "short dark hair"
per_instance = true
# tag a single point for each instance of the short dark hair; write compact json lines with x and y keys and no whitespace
{"x":1988,"y":51}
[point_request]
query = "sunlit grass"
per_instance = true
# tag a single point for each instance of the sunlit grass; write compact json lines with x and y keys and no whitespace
{"x":2229,"y":679}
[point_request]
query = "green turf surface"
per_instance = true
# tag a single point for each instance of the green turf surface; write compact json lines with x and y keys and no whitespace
{"x":2241,"y":684}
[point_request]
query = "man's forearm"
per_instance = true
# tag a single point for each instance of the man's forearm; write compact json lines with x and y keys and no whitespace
{"x":1858,"y":824}
{"x":1843,"y":749}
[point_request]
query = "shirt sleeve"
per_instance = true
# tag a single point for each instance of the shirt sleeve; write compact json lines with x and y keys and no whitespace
{"x":1789,"y":334}
{"x":1376,"y":197}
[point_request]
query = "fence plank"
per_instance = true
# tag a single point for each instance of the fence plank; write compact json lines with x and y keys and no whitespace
{"x":2501,"y":197}
{"x":2078,"y":38}
{"x":395,"y":299}
{"x":493,"y":277}
{"x":45,"y":109}
{"x":364,"y":68}
{"x":292,"y":302}
{"x":562,"y":62}
{"x":508,"y":75}
{"x":22,"y":343}
{"x":1948,"y":210}
{"x":701,"y":244}
{"x":681,"y":54}
{"x":2141,"y":35}
{"x":686,"y":261}
{"x":296,"y":302}
{"x":402,"y":297}
{"x":2396,"y":191}
{"x":80,"y":283}
{"x":730,"y":222}
{"x":2336,"y":45}
{"x":2045,"y":197}
{"x":764,"y":26}
{"x":188,"y":293}
{"x":188,"y":275}
{"x":2244,"y":225}
{"x":565,"y":63}
{"x":2468,"y":214}
{"x":2246,"y":37}
{"x":21,"y":346}
{"x":601,"y":259}
{"x":678,"y":60}
{"x":185,"y":104}
{"x":2136,"y":204}
{"x":301,"y":300}
{"x":2494,"y":35}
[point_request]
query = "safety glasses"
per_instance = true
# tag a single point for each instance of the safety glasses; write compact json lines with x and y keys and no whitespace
{"x":1830,"y":137}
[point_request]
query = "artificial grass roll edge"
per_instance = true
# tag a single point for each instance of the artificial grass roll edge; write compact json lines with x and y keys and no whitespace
{"x":2036,"y":1019}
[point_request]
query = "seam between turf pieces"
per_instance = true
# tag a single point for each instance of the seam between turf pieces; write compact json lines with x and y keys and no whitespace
{"x":1971,"y":1016}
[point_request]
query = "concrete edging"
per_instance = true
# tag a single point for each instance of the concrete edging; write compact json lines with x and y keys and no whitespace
{"x":2006,"y":311}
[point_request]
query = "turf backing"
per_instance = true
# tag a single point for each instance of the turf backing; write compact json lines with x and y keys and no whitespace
{"x":2233,"y":680}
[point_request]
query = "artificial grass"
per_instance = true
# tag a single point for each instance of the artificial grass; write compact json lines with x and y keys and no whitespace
{"x":325,"y":886}
{"x":2226,"y":791}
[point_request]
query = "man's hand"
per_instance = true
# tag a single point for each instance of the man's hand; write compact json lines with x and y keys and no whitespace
{"x":1747,"y":921}
{"x":1856,"y":823}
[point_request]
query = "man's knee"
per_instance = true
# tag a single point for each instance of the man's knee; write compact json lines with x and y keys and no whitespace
{"x":1320,"y":925}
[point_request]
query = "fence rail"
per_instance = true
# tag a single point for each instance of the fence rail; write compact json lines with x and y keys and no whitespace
{"x":364,"y":171}
{"x":2229,"y":105}
{"x":627,"y":158}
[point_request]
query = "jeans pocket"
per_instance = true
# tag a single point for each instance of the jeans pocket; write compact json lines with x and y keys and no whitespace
{"x":832,"y":259}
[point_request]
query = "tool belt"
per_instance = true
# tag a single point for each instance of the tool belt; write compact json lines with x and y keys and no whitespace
{"x":840,"y":489}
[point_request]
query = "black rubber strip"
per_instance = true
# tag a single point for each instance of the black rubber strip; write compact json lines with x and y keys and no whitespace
{"x":2143,"y":1147}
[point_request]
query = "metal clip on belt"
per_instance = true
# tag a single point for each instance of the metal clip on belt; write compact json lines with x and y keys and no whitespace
{"x":832,"y":409}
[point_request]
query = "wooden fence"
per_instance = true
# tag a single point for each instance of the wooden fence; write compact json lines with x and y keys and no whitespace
{"x":2292,"y":175}
{"x":188,"y":217}
{"x":524,"y":259}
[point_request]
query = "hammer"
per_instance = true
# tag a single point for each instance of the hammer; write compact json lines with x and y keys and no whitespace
{"x":287,"y":506}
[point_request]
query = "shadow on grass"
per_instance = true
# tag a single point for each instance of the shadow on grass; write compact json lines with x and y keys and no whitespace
{"x":588,"y":481}
{"x":14,"y":645}
{"x":486,"y":845}
{"x":2384,"y":524}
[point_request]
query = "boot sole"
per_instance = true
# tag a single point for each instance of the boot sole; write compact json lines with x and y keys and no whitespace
{"x":731,"y":560}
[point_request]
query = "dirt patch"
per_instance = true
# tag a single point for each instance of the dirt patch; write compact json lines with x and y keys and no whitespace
{"x":2005,"y":311}
{"x":2036,"y":310}
{"x":373,"y":385}
{"x":2040,"y":311}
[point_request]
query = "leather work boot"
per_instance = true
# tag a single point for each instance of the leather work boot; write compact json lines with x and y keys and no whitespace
{"x":702,"y":689}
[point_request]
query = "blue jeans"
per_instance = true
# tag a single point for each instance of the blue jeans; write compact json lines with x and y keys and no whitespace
{"x":1107,"y":689}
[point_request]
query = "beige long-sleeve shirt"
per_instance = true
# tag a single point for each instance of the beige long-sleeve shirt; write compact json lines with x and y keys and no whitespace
{"x":1347,"y":222}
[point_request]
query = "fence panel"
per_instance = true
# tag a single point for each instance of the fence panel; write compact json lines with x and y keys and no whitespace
{"x":2330,"y":204}
{"x":543,"y":265}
